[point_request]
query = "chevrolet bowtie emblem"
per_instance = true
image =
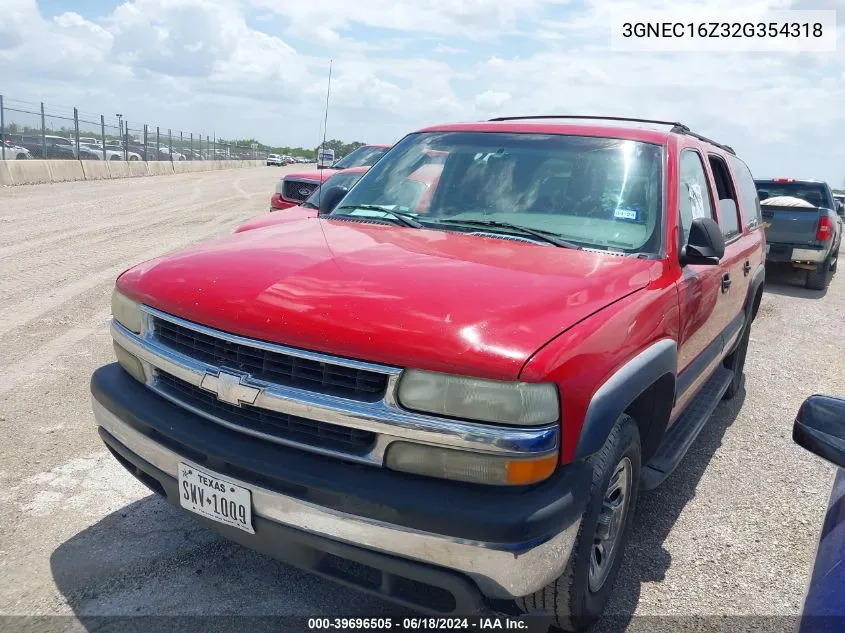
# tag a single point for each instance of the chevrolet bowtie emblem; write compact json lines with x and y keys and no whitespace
{"x":230,"y":388}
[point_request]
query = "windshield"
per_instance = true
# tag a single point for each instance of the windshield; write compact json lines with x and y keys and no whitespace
{"x":811,"y":192}
{"x":594,"y":192}
{"x":364,"y":156}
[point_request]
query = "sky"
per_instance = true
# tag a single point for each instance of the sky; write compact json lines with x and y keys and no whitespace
{"x":259,"y":68}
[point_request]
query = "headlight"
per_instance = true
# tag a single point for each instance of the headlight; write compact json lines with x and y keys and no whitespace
{"x":126,"y":312}
{"x":498,"y":401}
{"x":479,"y":468}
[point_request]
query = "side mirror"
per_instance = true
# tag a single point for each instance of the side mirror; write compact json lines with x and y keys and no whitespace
{"x":330,"y":198}
{"x":820,"y":428}
{"x":840,"y":208}
{"x":705,"y":245}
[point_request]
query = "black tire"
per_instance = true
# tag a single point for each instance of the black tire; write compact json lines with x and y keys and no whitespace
{"x":835,"y":259}
{"x":575,"y":604}
{"x":819,"y":279}
{"x":735,"y":361}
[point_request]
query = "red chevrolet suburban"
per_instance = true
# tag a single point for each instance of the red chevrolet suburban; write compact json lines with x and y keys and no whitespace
{"x":455,"y":408}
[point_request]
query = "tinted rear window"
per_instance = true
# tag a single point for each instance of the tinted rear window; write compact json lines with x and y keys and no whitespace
{"x":814,"y":193}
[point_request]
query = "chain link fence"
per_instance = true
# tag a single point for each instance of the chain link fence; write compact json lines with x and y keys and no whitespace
{"x":35,"y":130}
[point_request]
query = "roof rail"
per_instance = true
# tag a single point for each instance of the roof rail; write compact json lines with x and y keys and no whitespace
{"x":677,"y":128}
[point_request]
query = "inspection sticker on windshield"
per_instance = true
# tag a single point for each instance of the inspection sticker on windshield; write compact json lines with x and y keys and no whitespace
{"x":696,"y":199}
{"x":631,"y":215}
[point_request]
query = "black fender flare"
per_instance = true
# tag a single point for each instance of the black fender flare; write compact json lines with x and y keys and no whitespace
{"x":756,"y":285}
{"x":621,"y":389}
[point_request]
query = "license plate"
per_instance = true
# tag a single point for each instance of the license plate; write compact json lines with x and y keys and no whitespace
{"x":214,"y":497}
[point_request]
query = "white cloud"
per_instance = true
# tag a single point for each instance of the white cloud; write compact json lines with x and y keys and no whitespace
{"x":199,"y":64}
{"x":490,"y":100}
{"x":449,"y":50}
{"x":473,"y":19}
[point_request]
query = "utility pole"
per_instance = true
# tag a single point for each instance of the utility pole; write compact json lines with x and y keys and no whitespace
{"x":120,"y":124}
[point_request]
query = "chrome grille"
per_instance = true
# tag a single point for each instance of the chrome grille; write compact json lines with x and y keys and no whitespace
{"x":277,"y":425}
{"x":270,"y":366}
{"x":297,"y":190}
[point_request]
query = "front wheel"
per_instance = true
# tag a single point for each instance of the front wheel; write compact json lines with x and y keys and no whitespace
{"x":578,"y":597}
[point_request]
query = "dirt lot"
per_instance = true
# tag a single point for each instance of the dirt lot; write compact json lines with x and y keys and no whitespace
{"x":733,"y":531}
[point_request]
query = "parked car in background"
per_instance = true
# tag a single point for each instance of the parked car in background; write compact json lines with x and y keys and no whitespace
{"x":802,"y":227}
{"x":274,"y":159}
{"x":15,"y":152}
{"x":325,"y":157}
{"x":820,"y":428}
{"x":459,"y":407}
{"x":95,"y":152}
{"x":839,"y":198}
{"x":297,"y":186}
{"x":49,"y":147}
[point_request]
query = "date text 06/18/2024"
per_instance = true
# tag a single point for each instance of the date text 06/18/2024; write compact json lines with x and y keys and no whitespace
{"x":480,"y":623}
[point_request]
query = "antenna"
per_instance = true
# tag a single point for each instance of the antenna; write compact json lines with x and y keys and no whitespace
{"x":323,"y":144}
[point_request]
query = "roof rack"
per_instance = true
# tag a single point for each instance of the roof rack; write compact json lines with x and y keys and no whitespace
{"x":676,"y":127}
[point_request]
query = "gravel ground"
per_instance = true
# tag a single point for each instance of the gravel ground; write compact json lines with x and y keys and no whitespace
{"x":732,"y":532}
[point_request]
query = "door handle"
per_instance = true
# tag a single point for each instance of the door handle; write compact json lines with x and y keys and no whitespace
{"x":726,"y":282}
{"x":746,"y":267}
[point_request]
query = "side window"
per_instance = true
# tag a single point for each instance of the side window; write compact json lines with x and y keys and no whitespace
{"x":694,"y":194}
{"x":728,"y":207}
{"x":749,"y":198}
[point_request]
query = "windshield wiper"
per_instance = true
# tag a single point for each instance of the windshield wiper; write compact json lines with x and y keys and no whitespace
{"x":546,"y":236}
{"x":406,"y":219}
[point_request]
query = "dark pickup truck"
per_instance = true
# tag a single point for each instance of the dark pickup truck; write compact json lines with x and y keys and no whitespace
{"x":803,"y":226}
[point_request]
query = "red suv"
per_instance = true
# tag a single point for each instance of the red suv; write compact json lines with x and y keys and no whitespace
{"x":468,"y":399}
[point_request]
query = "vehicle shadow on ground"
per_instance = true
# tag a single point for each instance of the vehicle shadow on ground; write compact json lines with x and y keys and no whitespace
{"x":646,"y":559}
{"x":785,"y":281}
{"x":150,"y":559}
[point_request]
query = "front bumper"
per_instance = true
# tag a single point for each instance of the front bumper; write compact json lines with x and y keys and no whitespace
{"x":277,"y":203}
{"x":472,"y":541}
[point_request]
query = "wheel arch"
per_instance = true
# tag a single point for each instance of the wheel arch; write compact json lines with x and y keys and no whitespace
{"x":755,"y":293}
{"x":644,"y":388}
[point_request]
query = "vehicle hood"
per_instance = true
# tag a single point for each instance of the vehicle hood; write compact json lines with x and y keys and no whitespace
{"x":316,"y":175}
{"x":407,"y":297}
{"x":291,"y":214}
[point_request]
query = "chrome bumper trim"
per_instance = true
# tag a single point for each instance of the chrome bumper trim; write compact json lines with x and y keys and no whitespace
{"x":501,"y":571}
{"x":385,"y":417}
{"x":807,"y":255}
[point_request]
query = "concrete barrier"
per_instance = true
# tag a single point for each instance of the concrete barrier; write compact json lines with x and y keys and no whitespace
{"x":118,"y":168}
{"x":5,"y":175}
{"x":160,"y":167}
{"x":138,"y":168}
{"x":187,"y":167}
{"x":95,"y":170}
{"x":65,"y":170}
{"x":29,"y":172}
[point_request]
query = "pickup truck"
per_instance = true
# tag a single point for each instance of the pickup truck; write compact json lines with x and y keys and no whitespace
{"x":453,"y":409}
{"x":296,"y":187}
{"x":803,"y":226}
